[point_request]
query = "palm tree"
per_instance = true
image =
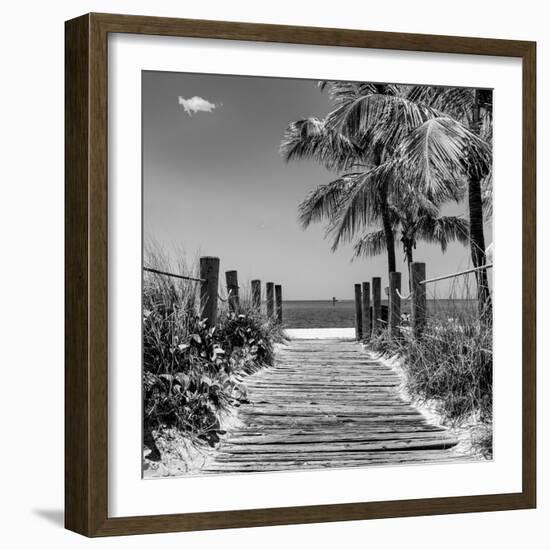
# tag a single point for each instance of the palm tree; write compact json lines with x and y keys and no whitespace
{"x":398,"y":140}
{"x":473,"y":108}
{"x":411,"y":228}
{"x":366,"y":147}
{"x":438,"y":157}
{"x":411,"y":218}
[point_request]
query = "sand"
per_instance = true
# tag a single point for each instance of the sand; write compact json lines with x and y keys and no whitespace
{"x":320,"y":333}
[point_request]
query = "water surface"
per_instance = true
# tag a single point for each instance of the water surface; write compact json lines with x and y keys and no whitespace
{"x":323,"y":314}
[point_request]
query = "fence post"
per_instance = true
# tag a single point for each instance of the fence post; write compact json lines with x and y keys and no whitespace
{"x":232,"y":282}
{"x":395,"y":304}
{"x":376,"y":304}
{"x":269,"y":299}
{"x":358,"y":313}
{"x":371,"y":316}
{"x":418,"y":298}
{"x":209,"y":273}
{"x":279,"y":303}
{"x":256,"y":293}
{"x":366,"y":310}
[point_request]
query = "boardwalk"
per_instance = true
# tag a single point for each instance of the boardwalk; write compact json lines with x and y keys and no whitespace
{"x":325,"y":403}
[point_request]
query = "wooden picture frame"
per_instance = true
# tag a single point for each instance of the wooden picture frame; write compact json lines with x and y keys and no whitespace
{"x":86,"y":418}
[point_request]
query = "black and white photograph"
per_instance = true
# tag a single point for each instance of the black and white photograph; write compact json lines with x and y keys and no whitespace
{"x":250,"y":292}
{"x":317,"y":274}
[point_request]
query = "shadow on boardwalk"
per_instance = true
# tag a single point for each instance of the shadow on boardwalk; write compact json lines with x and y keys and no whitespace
{"x":325,"y":403}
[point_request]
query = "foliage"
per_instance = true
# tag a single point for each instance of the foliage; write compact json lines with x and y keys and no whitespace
{"x":311,"y":138}
{"x":404,"y":148}
{"x":193,"y":374}
{"x":451,"y":365}
{"x":440,"y":230}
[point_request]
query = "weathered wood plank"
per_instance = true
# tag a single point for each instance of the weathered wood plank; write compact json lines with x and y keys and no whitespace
{"x":376,"y":460}
{"x":332,"y":459}
{"x":336,"y":446}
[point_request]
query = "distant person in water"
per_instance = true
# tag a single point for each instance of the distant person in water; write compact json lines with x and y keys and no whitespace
{"x":334,"y":300}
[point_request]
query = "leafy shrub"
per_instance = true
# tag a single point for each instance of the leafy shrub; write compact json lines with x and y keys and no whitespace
{"x":193,"y":374}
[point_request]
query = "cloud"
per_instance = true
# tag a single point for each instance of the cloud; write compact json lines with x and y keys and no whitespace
{"x":195,"y":104}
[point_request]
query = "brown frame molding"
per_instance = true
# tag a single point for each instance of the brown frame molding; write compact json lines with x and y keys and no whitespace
{"x":86,"y":274}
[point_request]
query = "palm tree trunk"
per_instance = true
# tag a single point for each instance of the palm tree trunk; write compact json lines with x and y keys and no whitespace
{"x":409,"y":257}
{"x":477,"y":245}
{"x":477,"y":238}
{"x":388,"y":233}
{"x":387,"y":225}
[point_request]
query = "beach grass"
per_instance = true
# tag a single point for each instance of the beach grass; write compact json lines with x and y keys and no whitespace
{"x":450,"y":366}
{"x":193,"y":374}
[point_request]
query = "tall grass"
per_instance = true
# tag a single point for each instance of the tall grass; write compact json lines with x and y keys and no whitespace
{"x":451,"y":364}
{"x":193,"y":374}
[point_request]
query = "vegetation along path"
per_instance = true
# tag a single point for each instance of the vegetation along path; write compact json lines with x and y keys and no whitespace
{"x":326,"y":403}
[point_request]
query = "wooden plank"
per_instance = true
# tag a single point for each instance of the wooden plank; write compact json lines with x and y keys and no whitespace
{"x":335,"y":457}
{"x":323,"y":463}
{"x":319,"y":449}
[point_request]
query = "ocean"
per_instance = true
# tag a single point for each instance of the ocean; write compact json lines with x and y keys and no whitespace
{"x":323,"y":314}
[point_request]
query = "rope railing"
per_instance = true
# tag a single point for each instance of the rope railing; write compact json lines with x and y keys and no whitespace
{"x":401,"y":295}
{"x":175,"y":275}
{"x":210,"y":290}
{"x":369,"y":322}
{"x":479,"y":268}
{"x":230,"y":292}
{"x":451,"y":275}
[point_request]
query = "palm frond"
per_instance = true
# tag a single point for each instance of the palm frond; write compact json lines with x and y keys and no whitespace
{"x":487,"y":195}
{"x":310,"y":138}
{"x":379,"y":119}
{"x":343,"y":92}
{"x":323,"y":201}
{"x":422,"y":94}
{"x":457,"y":103}
{"x":486,"y":130}
{"x":362,"y":205}
{"x":443,"y":230}
{"x":438,"y":155}
{"x":370,"y":244}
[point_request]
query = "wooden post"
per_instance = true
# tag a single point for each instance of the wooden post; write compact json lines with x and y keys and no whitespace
{"x":256,"y":293}
{"x":370,"y":318}
{"x":376,"y":305}
{"x":232,"y":282}
{"x":384,"y":315}
{"x":358,"y":313}
{"x":395,"y":304}
{"x":366,"y":310}
{"x":418,"y":298}
{"x":279,"y":303}
{"x":269,"y":299}
{"x":209,"y":273}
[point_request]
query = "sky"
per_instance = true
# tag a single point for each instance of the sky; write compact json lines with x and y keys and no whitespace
{"x":214,"y":184}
